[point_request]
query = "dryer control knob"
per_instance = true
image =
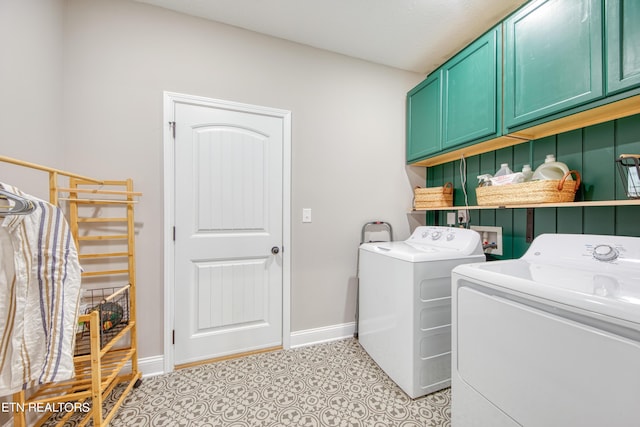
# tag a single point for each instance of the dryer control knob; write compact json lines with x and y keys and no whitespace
{"x":605,"y":253}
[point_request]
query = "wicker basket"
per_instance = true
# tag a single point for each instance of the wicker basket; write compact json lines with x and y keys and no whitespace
{"x":433,"y":197}
{"x":548,"y":191}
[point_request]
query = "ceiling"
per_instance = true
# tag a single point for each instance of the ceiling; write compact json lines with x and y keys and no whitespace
{"x":413,"y":35}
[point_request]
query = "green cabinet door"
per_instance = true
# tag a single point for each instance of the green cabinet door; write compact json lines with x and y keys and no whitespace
{"x":424,"y":124}
{"x":623,"y":44}
{"x":553,"y":58}
{"x":471,"y":91}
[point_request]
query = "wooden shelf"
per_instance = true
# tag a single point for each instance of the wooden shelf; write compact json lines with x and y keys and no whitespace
{"x":632,"y":202}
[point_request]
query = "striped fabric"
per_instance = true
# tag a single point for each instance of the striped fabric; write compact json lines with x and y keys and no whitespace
{"x":39,"y":293}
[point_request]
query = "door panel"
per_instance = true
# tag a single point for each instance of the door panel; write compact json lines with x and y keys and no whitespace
{"x":623,"y":44}
{"x":470,"y":82}
{"x":424,"y":119}
{"x":231,"y":293}
{"x":230,"y":173}
{"x":228,"y":213}
{"x":553,"y":58}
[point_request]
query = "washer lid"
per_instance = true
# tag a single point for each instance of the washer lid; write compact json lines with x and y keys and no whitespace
{"x":568,"y":270}
{"x":412,"y":253}
{"x":431,"y":243}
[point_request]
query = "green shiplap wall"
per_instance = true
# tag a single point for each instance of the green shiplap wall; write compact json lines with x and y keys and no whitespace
{"x":591,"y":151}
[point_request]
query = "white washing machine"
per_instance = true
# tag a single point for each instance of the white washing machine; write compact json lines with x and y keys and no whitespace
{"x":405,"y":304}
{"x":550,"y":339}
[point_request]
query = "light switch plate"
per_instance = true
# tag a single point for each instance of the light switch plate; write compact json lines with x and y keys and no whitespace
{"x":306,"y":215}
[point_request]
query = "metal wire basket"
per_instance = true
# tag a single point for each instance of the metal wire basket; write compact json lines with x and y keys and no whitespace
{"x":112,"y":305}
{"x":628,"y":166}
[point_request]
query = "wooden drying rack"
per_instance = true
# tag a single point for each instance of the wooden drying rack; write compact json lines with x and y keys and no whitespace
{"x":99,"y":371}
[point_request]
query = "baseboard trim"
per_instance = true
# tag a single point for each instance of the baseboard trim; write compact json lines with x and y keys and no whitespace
{"x":154,"y":365}
{"x":151,"y":366}
{"x":322,"y":335}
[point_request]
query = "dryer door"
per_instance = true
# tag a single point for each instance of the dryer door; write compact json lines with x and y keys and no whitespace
{"x":542,"y":369}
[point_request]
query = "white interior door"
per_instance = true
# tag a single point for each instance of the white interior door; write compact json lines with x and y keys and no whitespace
{"x":228,"y":231}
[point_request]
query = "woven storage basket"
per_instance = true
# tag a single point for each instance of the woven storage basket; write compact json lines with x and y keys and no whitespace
{"x":433,"y":197}
{"x":549,"y":191}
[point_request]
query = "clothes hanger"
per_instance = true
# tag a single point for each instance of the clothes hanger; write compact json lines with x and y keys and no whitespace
{"x":21,"y":205}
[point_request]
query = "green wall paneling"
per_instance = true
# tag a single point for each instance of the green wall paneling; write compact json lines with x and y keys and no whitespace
{"x":458,"y":194}
{"x":590,"y":150}
{"x":473,"y":170}
{"x":627,"y":221}
{"x":505,"y":155}
{"x":448,"y":175}
{"x":504,"y":219}
{"x":519,"y":237}
{"x":569,"y":151}
{"x":435,"y":178}
{"x":568,"y":220}
{"x":544,"y":220}
{"x":627,"y":137}
{"x":599,"y":220}
{"x":487,"y":165}
{"x":598,"y":167}
{"x":541,"y":147}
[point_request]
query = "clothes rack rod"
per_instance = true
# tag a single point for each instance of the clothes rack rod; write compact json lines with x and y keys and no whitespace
{"x":102,"y":220}
{"x":109,"y":237}
{"x":100,"y":202}
{"x":103,"y":273}
{"x":105,"y":255}
{"x":47,"y":169}
{"x":98,"y":191}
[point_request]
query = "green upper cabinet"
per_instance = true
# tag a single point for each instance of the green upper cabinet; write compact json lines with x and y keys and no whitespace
{"x":471,"y":91}
{"x":553,"y":58}
{"x":623,"y":44}
{"x":424,"y":122}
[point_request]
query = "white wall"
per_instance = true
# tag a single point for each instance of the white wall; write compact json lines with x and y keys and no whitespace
{"x":347,"y":138}
{"x":31,"y":89}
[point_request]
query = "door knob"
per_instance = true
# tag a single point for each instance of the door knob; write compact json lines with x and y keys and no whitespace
{"x":275,"y":250}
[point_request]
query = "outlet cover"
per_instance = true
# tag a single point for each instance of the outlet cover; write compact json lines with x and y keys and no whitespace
{"x":463,"y":216}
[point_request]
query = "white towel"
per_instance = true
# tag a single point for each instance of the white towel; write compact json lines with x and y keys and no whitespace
{"x":39,"y":293}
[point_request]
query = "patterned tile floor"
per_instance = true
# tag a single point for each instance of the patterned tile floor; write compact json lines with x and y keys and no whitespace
{"x":332,"y":384}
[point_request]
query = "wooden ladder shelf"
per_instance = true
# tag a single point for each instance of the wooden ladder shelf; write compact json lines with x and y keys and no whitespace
{"x":106,"y":353}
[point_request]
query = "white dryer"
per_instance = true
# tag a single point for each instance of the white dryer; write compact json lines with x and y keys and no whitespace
{"x":550,"y":339}
{"x":405,"y":304}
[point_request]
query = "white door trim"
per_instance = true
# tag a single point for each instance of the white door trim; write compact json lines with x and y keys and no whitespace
{"x":170,"y":99}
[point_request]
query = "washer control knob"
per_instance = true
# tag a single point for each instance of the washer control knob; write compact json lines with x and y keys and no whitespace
{"x":605,"y":253}
{"x":451,"y":236}
{"x":424,"y":234}
{"x":436,"y":235}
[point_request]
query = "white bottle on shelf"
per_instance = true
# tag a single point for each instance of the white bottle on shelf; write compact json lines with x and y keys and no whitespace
{"x":527,"y":172}
{"x":504,"y":170}
{"x":551,"y":169}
